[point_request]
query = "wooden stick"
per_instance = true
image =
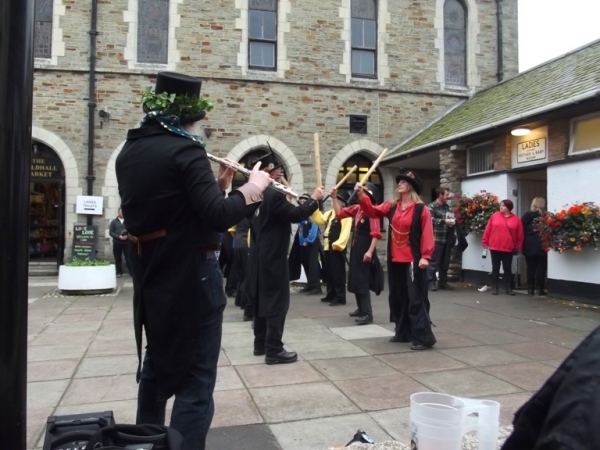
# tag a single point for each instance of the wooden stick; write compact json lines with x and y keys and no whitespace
{"x":343,"y":180}
{"x":318,"y":161}
{"x":373,"y":167}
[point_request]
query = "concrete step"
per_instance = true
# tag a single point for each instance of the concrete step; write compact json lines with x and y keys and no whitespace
{"x":43,"y":269}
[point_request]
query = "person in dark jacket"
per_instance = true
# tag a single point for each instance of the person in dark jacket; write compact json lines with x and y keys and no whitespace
{"x":118,"y":232}
{"x":240,"y":254}
{"x":270,"y":241}
{"x":174,"y":209}
{"x":535,"y":256}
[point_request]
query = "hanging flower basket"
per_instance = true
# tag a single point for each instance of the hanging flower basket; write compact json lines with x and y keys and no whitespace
{"x":473,"y":213}
{"x":573,"y":228}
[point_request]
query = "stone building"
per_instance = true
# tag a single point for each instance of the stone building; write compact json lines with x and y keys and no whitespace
{"x":364,"y":74}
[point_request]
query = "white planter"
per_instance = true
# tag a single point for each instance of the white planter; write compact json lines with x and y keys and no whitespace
{"x":87,"y":279}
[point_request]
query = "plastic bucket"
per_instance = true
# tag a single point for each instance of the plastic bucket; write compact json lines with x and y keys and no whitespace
{"x":432,"y":435}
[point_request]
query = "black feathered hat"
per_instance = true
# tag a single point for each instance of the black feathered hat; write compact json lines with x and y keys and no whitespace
{"x":411,"y":178}
{"x":269,"y":162}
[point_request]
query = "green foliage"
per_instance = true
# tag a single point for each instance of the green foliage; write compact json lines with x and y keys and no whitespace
{"x":572,"y":228}
{"x":175,"y":105}
{"x":88,"y":263}
{"x":473,"y":214}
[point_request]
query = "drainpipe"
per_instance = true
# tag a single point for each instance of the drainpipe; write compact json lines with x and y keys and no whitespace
{"x":92,"y":103}
{"x":500,"y":44}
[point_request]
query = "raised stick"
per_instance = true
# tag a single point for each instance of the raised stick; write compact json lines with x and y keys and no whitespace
{"x":343,"y":180}
{"x":373,"y":167}
{"x":318,"y":161}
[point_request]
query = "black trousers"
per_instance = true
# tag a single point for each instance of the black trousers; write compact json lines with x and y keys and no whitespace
{"x":440,"y":262}
{"x":537,"y":266}
{"x":363,"y":302}
{"x":409,"y":304}
{"x":335,"y":262}
{"x":120,"y":249}
{"x":241,"y":262}
{"x":268,"y":332}
{"x":504,"y":258}
{"x":309,"y":258}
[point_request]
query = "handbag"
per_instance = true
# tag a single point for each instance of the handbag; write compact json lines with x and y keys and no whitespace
{"x":515,"y":250}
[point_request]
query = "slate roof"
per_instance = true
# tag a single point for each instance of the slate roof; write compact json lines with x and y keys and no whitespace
{"x":574,"y":74}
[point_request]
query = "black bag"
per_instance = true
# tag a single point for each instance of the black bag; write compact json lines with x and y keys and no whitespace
{"x":75,"y":430}
{"x":147,"y":437}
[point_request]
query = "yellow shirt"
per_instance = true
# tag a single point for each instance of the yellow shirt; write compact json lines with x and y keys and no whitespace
{"x":327,"y":219}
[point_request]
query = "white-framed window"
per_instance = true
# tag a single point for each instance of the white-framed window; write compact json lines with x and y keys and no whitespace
{"x":364,"y":38}
{"x":480,"y":158}
{"x":455,"y":42}
{"x":585,"y":134}
{"x":42,"y":40}
{"x":262,"y":34}
{"x":153,"y":32}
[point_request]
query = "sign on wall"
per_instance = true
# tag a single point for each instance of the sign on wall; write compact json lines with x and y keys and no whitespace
{"x":532,"y":150}
{"x":89,"y":205}
{"x":84,"y":242}
{"x":42,"y":167}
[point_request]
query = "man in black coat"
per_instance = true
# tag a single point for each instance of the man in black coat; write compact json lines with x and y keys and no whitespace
{"x":271,"y":230}
{"x":117,"y":231}
{"x":173,"y":207}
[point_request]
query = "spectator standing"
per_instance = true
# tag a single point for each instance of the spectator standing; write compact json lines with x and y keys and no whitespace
{"x":535,"y":256}
{"x":118,"y":232}
{"x":445,"y":238}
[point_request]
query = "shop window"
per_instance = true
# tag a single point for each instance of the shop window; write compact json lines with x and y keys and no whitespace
{"x":364,"y":38}
{"x":153,"y":31}
{"x":480,"y":158}
{"x":262,"y":34}
{"x":455,"y":42}
{"x":585,"y":135}
{"x":42,"y":41}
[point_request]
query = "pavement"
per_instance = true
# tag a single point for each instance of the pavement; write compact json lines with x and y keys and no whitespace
{"x":82,"y":358}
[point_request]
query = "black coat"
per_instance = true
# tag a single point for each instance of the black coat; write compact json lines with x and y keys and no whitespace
{"x":270,"y":241}
{"x":166,"y":182}
{"x":532,"y":245}
{"x":364,"y":276}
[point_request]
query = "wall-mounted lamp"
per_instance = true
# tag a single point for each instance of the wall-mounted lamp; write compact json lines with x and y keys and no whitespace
{"x":521,"y":131}
{"x":104,"y":114}
{"x":208,"y":132}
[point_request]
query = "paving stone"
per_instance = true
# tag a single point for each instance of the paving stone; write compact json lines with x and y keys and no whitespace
{"x":248,"y":437}
{"x":396,"y":422}
{"x":529,"y":375}
{"x":381,"y":346}
{"x":52,"y":352}
{"x":470,"y":383}
{"x":101,"y":389}
{"x":72,"y":338}
{"x":70,"y":318}
{"x":337,"y":321}
{"x":362,"y":332}
{"x":326,"y":432}
{"x":43,"y":394}
{"x":124,"y":410}
{"x":373,"y":394}
{"x":117,"y":324}
{"x":241,"y":339}
{"x":59,"y":369}
{"x":447,"y":339}
{"x":426,"y":361}
{"x":352,"y":368}
{"x":228,"y":379}
{"x":538,"y":351}
{"x":543,"y":332}
{"x":327,"y":350}
{"x":111,"y":347}
{"x":553,"y":362}
{"x":481,"y":333}
{"x":301,"y":401}
{"x":85,"y":309}
{"x":239,"y":356}
{"x":483,"y":356}
{"x":312,"y":333}
{"x":36,"y":424}
{"x":223,"y":360}
{"x":107,"y":365}
{"x":73,"y":327}
{"x":234,"y":408}
{"x":89,"y":300}
{"x":300,"y":323}
{"x":237,"y":327}
{"x":577,"y":323}
{"x":261,"y":375}
{"x":125,"y":333}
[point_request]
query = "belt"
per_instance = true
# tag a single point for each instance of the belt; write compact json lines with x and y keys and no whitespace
{"x":139,"y":240}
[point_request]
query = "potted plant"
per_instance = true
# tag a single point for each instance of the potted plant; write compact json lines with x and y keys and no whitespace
{"x":86,"y":277}
{"x":473,"y":213}
{"x":572,"y":228}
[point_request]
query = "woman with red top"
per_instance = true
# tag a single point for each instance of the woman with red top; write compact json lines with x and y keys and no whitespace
{"x":504,"y":237}
{"x":363,"y":253}
{"x":410,"y":248}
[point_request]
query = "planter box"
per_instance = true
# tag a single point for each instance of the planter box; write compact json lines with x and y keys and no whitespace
{"x":87,"y":280}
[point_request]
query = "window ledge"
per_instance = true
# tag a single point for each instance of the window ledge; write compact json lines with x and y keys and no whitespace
{"x":364,"y":80}
{"x":262,"y":74}
{"x":40,"y":63}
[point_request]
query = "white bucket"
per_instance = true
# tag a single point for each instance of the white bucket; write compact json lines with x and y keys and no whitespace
{"x":439,"y":421}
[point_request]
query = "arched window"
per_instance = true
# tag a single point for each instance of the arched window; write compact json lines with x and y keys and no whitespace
{"x":42,"y":41}
{"x":455,"y":42}
{"x":153,"y":31}
{"x":364,"y":164}
{"x":246,"y":161}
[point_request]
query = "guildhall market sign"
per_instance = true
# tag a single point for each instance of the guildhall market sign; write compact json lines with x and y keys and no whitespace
{"x":533,"y":150}
{"x":45,"y":168}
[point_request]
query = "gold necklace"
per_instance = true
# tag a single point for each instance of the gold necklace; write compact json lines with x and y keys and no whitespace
{"x":404,"y":237}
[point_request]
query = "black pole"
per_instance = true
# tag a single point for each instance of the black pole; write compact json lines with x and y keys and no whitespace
{"x":92,"y":103}
{"x":16,"y":92}
{"x":500,"y":44}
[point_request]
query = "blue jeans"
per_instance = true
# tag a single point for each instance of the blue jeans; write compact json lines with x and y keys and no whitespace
{"x":193,"y":408}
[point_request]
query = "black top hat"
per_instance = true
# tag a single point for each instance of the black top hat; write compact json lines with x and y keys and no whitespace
{"x":373,"y":192}
{"x":343,"y":196}
{"x":412,"y":178}
{"x":180,"y":85}
{"x":269,"y":162}
{"x":304,"y":197}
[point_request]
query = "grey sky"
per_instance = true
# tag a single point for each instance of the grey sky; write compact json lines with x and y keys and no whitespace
{"x":550,"y":28}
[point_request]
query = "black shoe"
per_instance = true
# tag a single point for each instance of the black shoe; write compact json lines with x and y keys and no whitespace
{"x":433,"y":287}
{"x":316,"y":291}
{"x":364,"y":320}
{"x":509,"y":291}
{"x":282,"y":358}
{"x":543,"y":293}
{"x":336,"y":303}
{"x":304,"y":289}
{"x":326,"y":299}
{"x":247,"y":318}
{"x":494,"y":290}
{"x":259,"y":352}
{"x":419,"y":347}
{"x":356,"y":313}
{"x":531,"y":290}
{"x":231,"y":294}
{"x":119,"y":275}
{"x":446,"y":286}
{"x":399,"y":339}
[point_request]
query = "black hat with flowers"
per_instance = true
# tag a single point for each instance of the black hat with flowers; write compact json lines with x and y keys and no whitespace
{"x":269,"y":162}
{"x":411,"y":178}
